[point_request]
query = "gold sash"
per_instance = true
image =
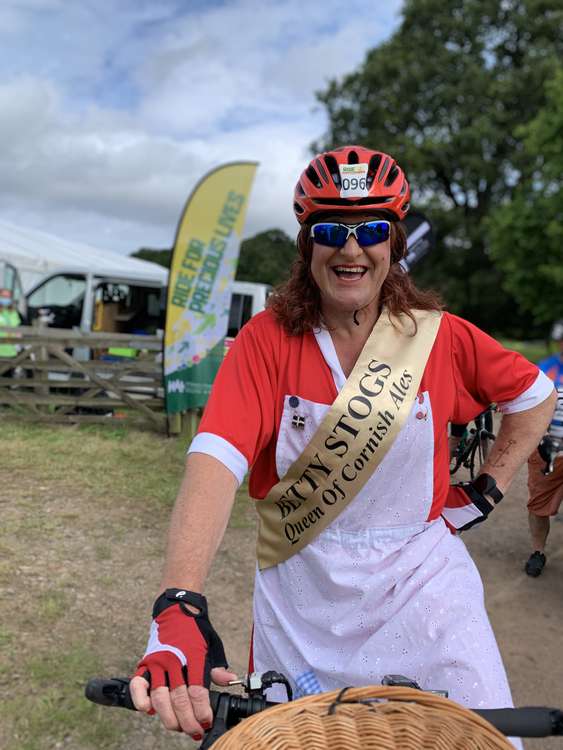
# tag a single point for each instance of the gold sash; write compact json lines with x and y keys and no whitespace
{"x":352,"y":439}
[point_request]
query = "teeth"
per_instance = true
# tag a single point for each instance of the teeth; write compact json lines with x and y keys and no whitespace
{"x":349,"y":269}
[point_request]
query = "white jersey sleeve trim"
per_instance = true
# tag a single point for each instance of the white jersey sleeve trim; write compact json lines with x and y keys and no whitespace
{"x":532,"y":396}
{"x":222,"y":450}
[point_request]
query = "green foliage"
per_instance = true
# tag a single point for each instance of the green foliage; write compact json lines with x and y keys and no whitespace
{"x":544,"y":134}
{"x":527,"y":232}
{"x":532,"y":350}
{"x":527,"y":243}
{"x":447,"y":96}
{"x":266,"y":257}
{"x":162,"y":257}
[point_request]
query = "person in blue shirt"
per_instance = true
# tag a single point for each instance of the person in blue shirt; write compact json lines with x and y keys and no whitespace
{"x":546,"y":490}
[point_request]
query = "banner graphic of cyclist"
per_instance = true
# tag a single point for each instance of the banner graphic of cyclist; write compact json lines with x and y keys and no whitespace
{"x":204,"y":261}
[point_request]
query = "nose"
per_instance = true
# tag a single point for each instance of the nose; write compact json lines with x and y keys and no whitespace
{"x":351,"y":248}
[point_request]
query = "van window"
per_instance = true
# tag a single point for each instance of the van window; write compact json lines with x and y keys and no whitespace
{"x":61,"y":297}
{"x":240,"y":313}
{"x":126,"y":308}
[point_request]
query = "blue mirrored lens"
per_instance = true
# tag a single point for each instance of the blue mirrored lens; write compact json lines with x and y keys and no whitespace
{"x":332,"y":235}
{"x":372,"y":233}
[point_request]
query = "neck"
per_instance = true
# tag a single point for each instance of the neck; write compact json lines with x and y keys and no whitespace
{"x":353,"y":324}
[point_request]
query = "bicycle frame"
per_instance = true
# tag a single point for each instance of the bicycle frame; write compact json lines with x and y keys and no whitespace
{"x":475,"y":443}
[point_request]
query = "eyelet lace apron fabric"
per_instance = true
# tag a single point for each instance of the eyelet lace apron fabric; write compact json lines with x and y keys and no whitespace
{"x":381,"y":590}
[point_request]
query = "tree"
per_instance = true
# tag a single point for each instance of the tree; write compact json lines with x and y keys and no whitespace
{"x":265,"y":258}
{"x":446,"y":95}
{"x":527,"y":233}
{"x":162,"y":257}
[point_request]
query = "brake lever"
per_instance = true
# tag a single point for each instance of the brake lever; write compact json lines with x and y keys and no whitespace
{"x":219,"y":726}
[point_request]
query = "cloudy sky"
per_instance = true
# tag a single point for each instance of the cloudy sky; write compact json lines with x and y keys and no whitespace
{"x":111,"y":110}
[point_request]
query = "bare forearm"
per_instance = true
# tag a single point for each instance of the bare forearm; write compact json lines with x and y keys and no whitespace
{"x":518,"y":436}
{"x":198,"y":522}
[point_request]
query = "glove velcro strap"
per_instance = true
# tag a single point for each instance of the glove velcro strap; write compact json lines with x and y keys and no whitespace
{"x":179,"y":596}
{"x":478,"y":500}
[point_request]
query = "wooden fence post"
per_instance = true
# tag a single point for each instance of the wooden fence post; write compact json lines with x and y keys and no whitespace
{"x":40,"y":324}
{"x":190,"y":422}
{"x":174,"y":424}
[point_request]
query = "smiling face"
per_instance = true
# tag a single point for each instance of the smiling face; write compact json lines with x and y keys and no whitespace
{"x":351,"y":277}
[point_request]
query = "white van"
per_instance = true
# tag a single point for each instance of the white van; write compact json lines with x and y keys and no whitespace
{"x":248,"y":298}
{"x":123,"y":303}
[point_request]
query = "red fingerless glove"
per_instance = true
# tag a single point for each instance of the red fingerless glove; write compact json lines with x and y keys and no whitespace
{"x":469,"y":503}
{"x":183,"y":647}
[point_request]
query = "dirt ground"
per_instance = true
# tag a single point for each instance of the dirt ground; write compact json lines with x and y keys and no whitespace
{"x":84,"y":576}
{"x":526,"y":613}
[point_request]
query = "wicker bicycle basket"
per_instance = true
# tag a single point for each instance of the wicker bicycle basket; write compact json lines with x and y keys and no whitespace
{"x":366,"y":718}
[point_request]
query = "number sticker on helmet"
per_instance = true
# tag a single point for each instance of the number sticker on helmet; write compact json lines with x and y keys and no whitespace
{"x":353,"y":180}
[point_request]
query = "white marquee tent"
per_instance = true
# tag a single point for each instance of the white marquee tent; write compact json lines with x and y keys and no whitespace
{"x":36,"y":254}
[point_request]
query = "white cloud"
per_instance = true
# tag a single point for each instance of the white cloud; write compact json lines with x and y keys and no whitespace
{"x":111,"y":112}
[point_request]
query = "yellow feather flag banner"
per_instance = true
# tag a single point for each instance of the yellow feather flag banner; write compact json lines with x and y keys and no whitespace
{"x":203,"y":266}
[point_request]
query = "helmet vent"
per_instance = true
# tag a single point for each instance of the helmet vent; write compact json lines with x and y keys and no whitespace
{"x":403,"y":188}
{"x":300,"y":189}
{"x":323,"y":174}
{"x":297,"y":208}
{"x":313,"y":176}
{"x":383,"y":169}
{"x":371,"y":200}
{"x":374,"y":163}
{"x":392,"y":176}
{"x":353,"y":157}
{"x":332,"y":166}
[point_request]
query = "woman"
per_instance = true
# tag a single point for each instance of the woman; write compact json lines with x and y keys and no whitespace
{"x":338,"y":399}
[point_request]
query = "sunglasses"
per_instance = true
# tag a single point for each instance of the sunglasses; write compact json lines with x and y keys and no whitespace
{"x":333,"y":234}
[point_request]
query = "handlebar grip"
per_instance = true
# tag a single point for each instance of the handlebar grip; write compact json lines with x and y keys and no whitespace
{"x":115,"y":691}
{"x":524,"y":722}
{"x":110,"y":692}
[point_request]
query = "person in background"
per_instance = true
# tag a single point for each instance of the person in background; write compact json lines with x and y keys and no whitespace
{"x":9,"y":317}
{"x":546,"y":490}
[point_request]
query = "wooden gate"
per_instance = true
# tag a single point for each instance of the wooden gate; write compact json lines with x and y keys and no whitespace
{"x":59,"y":375}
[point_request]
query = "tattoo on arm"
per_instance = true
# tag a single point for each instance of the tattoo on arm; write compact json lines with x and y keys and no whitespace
{"x":504,"y":451}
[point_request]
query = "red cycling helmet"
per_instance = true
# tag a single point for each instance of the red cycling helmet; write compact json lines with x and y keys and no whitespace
{"x":352,"y":179}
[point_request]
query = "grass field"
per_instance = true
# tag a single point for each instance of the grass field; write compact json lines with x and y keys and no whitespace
{"x":84,"y":516}
{"x":532,"y":350}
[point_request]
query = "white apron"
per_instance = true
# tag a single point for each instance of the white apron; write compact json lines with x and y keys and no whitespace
{"x":381,"y":590}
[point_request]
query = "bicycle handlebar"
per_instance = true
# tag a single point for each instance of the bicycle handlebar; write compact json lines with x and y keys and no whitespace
{"x":229,"y":709}
{"x":528,"y":721}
